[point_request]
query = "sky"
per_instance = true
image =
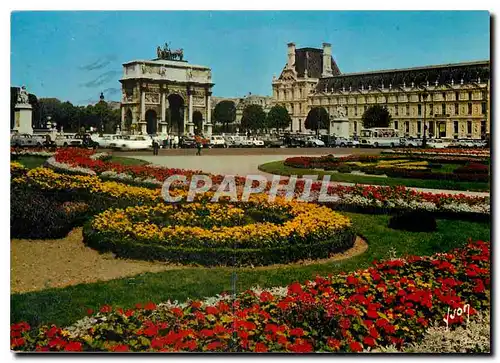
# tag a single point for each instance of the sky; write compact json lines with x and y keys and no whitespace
{"x":76,"y":55}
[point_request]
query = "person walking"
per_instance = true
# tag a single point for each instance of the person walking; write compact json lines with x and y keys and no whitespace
{"x":156,"y":146}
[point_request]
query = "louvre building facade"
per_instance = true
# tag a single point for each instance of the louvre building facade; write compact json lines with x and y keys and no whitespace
{"x":453,"y":100}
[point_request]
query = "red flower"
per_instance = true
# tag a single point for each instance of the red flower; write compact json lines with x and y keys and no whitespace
{"x":266,"y":296}
{"x":90,"y":311}
{"x":298,"y":332}
{"x":333,"y":343}
{"x":243,"y":334}
{"x":369,"y":341}
{"x":345,"y":323}
{"x":206,"y":333}
{"x":213,"y":345}
{"x":301,"y":346}
{"x":373,"y":332}
{"x":119,"y":348}
{"x":372,"y":314}
{"x":271,"y":327}
{"x":260,"y":347}
{"x":212,"y":310}
{"x":295,"y":288}
{"x":410,"y":312}
{"x":190,"y":344}
{"x":73,"y":347}
{"x":150,"y":306}
{"x":129,"y":313}
{"x":356,"y":346}
{"x":381,"y":322}
{"x":196,"y":304}
{"x":351,"y":280}
{"x":106,"y":309}
{"x":16,"y":342}
{"x":177,"y":312}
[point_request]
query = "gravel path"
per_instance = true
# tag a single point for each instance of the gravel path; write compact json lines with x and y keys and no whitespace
{"x":41,"y":264}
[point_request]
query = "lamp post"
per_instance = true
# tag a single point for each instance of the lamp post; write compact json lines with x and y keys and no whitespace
{"x":424,"y":139}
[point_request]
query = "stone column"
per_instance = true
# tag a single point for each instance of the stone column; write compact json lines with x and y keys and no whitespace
{"x":190,"y":106}
{"x":209,"y":113}
{"x":143,"y":105}
{"x":123,"y":118}
{"x":184,"y":127}
{"x":163,"y":107}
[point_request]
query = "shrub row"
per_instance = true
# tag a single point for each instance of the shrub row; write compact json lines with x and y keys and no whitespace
{"x":129,"y":248}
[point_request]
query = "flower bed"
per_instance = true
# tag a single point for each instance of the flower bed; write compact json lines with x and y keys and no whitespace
{"x":361,"y":197}
{"x":404,"y":166}
{"x":250,"y":233}
{"x":469,"y":153}
{"x":392,"y":303}
{"x":42,"y":152}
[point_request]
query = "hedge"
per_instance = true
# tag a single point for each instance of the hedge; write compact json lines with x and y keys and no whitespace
{"x":129,"y":248}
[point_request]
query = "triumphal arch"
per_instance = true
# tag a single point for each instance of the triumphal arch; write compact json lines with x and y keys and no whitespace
{"x":166,"y":95}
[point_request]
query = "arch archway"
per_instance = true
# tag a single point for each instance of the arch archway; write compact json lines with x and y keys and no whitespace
{"x":128,"y":119}
{"x":176,"y":114}
{"x":152,"y":124}
{"x":198,"y":122}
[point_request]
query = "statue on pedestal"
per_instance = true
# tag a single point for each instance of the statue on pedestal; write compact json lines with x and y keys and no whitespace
{"x":22,"y":96}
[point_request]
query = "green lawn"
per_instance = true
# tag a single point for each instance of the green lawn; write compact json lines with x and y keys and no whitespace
{"x":32,"y":162}
{"x":127,"y":161}
{"x":64,"y":306}
{"x":278,"y":168}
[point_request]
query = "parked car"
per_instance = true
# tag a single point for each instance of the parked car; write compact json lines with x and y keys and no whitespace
{"x":107,"y":140}
{"x":312,"y":141}
{"x":133,"y":142}
{"x":67,"y":140}
{"x":217,"y":141}
{"x":87,"y":141}
{"x":186,"y":142}
{"x":22,"y":140}
{"x":438,"y":143}
{"x":411,"y":142}
{"x":273,"y":142}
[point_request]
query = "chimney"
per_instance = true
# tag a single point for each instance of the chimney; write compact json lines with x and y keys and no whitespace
{"x":327,"y":63}
{"x":291,"y":55}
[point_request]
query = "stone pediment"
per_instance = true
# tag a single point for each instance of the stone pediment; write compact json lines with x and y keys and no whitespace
{"x":288,"y":75}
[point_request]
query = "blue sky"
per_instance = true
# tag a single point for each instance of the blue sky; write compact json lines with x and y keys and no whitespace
{"x":76,"y":55}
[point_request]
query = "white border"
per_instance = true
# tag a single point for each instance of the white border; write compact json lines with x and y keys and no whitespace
{"x":201,"y":5}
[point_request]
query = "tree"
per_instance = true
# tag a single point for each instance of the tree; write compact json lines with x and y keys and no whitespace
{"x":278,"y":117}
{"x":317,"y":119}
{"x":253,"y":118}
{"x":225,"y":112}
{"x":376,"y":116}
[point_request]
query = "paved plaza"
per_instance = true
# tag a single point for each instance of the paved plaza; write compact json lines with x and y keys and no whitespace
{"x":236,"y":162}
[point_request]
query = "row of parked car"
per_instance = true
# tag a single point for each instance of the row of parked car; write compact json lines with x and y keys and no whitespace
{"x":444,"y":143}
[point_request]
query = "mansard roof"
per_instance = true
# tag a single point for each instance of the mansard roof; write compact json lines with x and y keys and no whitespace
{"x":469,"y":72}
{"x":312,"y":59}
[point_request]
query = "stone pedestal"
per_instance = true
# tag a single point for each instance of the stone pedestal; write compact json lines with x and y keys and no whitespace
{"x":340,"y":127}
{"x":208,"y":133}
{"x":23,"y":121}
{"x":190,"y":128}
{"x":163,"y":127}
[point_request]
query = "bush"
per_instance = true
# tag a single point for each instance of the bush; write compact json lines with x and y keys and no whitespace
{"x":36,"y":216}
{"x":414,"y":221}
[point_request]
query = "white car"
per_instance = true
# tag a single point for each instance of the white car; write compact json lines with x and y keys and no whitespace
{"x":67,"y":140}
{"x":314,"y":142}
{"x":20,"y":140}
{"x":438,"y":143}
{"x":257,"y":142}
{"x":133,"y":142}
{"x":107,"y":140}
{"x":217,"y":141}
